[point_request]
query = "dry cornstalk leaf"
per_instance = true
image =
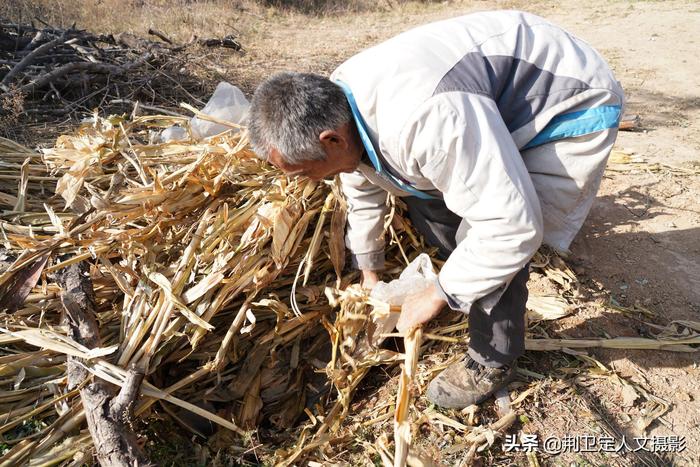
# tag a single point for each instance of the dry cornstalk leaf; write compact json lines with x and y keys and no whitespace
{"x":541,"y":307}
{"x":630,"y":343}
{"x":402,"y":425}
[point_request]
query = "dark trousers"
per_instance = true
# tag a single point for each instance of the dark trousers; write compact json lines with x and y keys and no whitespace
{"x":496,"y":332}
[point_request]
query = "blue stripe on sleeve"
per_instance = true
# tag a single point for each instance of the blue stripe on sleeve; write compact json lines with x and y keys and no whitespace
{"x":578,"y":123}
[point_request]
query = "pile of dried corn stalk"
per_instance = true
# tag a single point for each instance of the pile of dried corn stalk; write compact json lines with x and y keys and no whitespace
{"x":194,"y":250}
{"x":218,"y":277}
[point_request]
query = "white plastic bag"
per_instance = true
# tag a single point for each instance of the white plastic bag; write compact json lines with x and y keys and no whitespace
{"x":414,"y":279}
{"x":173,"y":133}
{"x":227,"y":103}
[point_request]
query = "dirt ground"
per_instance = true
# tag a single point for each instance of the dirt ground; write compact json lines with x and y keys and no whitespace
{"x":640,"y":247}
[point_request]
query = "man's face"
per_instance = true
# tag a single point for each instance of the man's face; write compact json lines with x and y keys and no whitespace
{"x":315,"y":170}
{"x":343,"y":152}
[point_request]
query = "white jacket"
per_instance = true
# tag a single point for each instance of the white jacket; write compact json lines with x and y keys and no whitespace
{"x":451,"y":109}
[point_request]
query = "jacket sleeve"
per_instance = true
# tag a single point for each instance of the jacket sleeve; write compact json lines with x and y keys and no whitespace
{"x":460,"y":143}
{"x":365,"y":226}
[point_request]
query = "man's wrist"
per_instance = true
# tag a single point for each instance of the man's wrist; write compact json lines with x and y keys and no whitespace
{"x":373,"y":261}
{"x":369,"y":279}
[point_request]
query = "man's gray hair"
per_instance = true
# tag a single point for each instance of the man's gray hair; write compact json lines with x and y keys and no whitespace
{"x":290,"y":110}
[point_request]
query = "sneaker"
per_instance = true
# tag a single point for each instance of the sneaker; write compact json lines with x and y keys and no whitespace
{"x":467,"y":382}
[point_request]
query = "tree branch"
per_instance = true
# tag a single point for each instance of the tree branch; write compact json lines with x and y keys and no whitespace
{"x":115,"y":443}
{"x":74,"y":67}
{"x":31,"y":58}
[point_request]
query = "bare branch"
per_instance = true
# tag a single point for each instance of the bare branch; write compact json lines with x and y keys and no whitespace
{"x":81,"y":66}
{"x":123,"y":403}
{"x":32,"y":57}
{"x":160,"y":35}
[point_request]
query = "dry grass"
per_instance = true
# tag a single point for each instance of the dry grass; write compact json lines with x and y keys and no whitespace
{"x":180,"y":19}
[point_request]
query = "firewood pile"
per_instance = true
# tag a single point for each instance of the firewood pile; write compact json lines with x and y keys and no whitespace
{"x":192,"y":282}
{"x":58,"y":71}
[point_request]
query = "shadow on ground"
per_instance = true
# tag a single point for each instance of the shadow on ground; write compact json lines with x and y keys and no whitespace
{"x":658,"y":109}
{"x":629,"y":254}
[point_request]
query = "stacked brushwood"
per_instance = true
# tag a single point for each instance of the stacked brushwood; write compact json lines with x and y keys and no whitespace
{"x":58,"y":71}
{"x":193,"y":282}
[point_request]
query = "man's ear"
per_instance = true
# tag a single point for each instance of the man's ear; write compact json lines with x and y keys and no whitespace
{"x":332,"y":138}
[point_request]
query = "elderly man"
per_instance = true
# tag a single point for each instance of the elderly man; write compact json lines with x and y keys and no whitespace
{"x":494,"y":127}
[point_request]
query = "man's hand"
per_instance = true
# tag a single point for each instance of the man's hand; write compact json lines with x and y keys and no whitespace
{"x":369,"y":279}
{"x":420,"y":308}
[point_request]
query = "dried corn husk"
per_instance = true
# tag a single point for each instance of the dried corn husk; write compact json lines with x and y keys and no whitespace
{"x":544,"y":307}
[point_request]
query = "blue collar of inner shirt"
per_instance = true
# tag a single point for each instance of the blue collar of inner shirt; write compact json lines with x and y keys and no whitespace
{"x":369,"y":148}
